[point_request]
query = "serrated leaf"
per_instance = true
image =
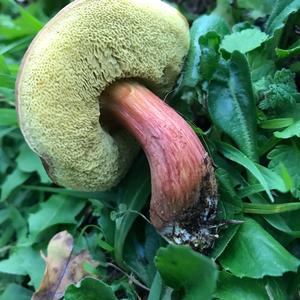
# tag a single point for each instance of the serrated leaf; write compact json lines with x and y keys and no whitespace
{"x":90,"y":289}
{"x":56,"y":210}
{"x":183,"y":268}
{"x":254,"y":253}
{"x":231,"y":104}
{"x":243,"y":41}
{"x":287,"y":155}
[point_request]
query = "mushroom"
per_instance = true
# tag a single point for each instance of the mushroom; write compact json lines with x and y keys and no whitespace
{"x":98,"y":56}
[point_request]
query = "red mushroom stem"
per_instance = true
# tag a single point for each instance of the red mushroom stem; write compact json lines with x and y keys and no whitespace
{"x":184,"y":190}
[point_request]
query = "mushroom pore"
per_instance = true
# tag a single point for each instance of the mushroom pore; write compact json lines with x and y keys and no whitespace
{"x":76,"y":66}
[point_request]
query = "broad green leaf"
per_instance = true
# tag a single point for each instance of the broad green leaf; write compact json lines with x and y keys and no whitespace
{"x":200,"y":27}
{"x":243,"y":41}
{"x":29,"y":162}
{"x":90,"y":289}
{"x":12,"y":181}
{"x":8,"y":117}
{"x":237,"y":156}
{"x":183,"y":268}
{"x":254,"y":253}
{"x":287,"y":155}
{"x":291,"y":131}
{"x":231,"y":103}
{"x":281,"y":11}
{"x":15,"y":291}
{"x":234,"y":288}
{"x":135,"y":191}
{"x":56,"y":210}
{"x":24,"y":261}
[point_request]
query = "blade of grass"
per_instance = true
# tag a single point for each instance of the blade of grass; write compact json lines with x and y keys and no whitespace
{"x":269,"y":209}
{"x":240,"y":158}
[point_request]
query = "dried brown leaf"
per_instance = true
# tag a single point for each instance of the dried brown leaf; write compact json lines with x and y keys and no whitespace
{"x":62,"y":267}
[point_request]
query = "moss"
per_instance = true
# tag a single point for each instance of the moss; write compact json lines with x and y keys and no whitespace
{"x":82,"y":50}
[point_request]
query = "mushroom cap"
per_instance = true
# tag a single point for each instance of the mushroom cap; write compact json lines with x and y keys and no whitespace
{"x":85,"y":48}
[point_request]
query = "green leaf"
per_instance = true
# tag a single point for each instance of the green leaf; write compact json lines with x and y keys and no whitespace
{"x":101,"y":196}
{"x":291,"y":131}
{"x":7,"y":81}
{"x":286,"y":53}
{"x":8,"y":117}
{"x":233,"y":288}
{"x":90,"y":289}
{"x":276,"y":123}
{"x":200,"y":27}
{"x":288,"y":222}
{"x":183,"y":268}
{"x":231,"y":104}
{"x":269,"y":209}
{"x":135,"y":190}
{"x":12,"y":181}
{"x":257,"y":8}
{"x":254,"y":253}
{"x":287,"y":155}
{"x":156,"y":288}
{"x":243,"y":41}
{"x":235,"y":155}
{"x":56,"y":210}
{"x":140,"y":251}
{"x":24,"y":261}
{"x":277,"y":91}
{"x":15,"y":291}
{"x":260,"y":64}
{"x":17,"y":45}
{"x":28,"y":162}
{"x":281,"y":11}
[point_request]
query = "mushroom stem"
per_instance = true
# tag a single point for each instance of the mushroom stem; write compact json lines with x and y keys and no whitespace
{"x":184,"y":191}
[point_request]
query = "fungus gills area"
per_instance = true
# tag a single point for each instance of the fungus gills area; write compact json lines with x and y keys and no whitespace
{"x":184,"y":190}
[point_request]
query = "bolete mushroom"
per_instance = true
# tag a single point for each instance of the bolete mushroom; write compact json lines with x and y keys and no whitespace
{"x":97,"y":56}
